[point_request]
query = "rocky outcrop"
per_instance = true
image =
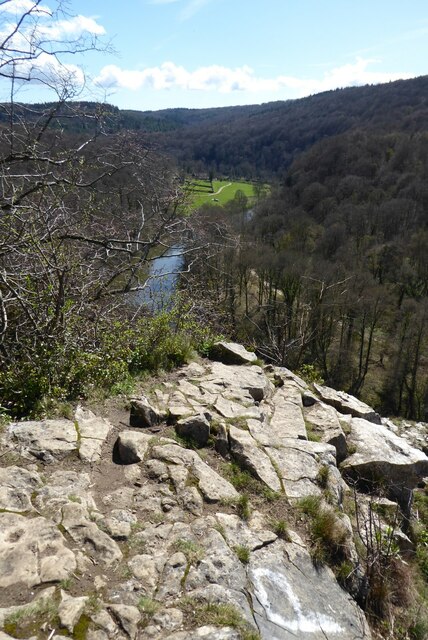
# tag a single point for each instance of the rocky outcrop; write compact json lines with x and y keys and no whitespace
{"x":141,"y":536}
{"x":383,"y":459}
{"x":231,"y":353}
{"x":347,"y":404}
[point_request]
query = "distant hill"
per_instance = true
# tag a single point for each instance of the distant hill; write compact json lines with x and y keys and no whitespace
{"x":263,"y":140}
{"x":255,"y":141}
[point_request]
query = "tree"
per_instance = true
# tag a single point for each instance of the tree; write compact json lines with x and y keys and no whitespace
{"x":80,"y":214}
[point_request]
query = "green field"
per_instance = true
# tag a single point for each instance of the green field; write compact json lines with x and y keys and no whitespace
{"x":200,"y":192}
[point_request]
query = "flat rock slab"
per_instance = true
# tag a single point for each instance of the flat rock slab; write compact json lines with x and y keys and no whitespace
{"x":16,"y":488}
{"x":230,"y":409}
{"x":292,"y":599}
{"x":251,"y":380}
{"x":245,"y":450}
{"x":209,"y":632}
{"x":212,"y":486}
{"x":326,"y":426}
{"x":287,"y":418}
{"x":76,"y":522}
{"x":47,"y":440}
{"x":299,"y":464}
{"x":237,"y":532}
{"x":93,"y":432}
{"x":346,"y":403}
{"x":383,"y":457}
{"x":231,"y":353}
{"x":32,"y":552}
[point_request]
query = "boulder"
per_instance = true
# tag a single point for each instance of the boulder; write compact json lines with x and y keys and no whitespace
{"x":383,"y":461}
{"x":132,"y":446}
{"x":196,"y":427}
{"x":231,"y":353}
{"x":287,"y":607}
{"x":143,"y":414}
{"x":325,"y":425}
{"x":346,"y":403}
{"x":47,"y":440}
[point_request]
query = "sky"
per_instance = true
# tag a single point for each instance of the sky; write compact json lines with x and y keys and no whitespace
{"x":212,"y":53}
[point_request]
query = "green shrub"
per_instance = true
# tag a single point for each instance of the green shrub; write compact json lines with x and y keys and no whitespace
{"x":243,"y":553}
{"x":104,"y":357}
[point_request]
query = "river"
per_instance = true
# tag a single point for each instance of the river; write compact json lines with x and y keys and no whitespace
{"x":162,"y":281}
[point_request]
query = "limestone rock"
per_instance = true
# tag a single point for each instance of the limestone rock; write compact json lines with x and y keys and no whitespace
{"x":286,"y":607}
{"x":132,"y":446}
{"x":231,"y":353}
{"x":249,"y":380}
{"x":196,"y":427}
{"x":239,"y":533}
{"x":47,"y":440}
{"x":127,"y":618}
{"x":16,"y":488}
{"x":213,"y":487}
{"x":346,"y":403}
{"x":32,"y":551}
{"x":119,"y":523}
{"x":230,"y":409}
{"x":325,"y":424}
{"x":299,"y":465}
{"x":93,"y":432}
{"x":287,"y":419}
{"x":383,"y":459}
{"x":143,"y":414}
{"x":209,"y":632}
{"x":70,"y":609}
{"x":245,"y":450}
{"x":64,"y":487}
{"x":77,"y":523}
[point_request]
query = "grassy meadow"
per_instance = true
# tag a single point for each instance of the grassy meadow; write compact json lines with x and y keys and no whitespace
{"x":199,"y":192}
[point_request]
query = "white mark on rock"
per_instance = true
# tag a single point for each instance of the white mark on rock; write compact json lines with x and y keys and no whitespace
{"x":308,"y":622}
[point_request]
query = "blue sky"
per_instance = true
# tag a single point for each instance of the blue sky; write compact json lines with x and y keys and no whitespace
{"x":205,"y":53}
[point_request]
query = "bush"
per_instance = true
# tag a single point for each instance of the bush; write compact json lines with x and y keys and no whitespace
{"x":73,"y":367}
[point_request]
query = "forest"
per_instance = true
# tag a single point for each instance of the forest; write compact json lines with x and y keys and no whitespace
{"x":326,"y":274}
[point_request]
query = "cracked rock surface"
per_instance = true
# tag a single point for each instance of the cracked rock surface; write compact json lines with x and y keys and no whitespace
{"x":113,"y":532}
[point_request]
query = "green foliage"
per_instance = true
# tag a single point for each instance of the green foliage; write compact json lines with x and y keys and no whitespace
{"x":327,"y":532}
{"x":193,"y":551}
{"x":310,"y":373}
{"x":323,"y":476}
{"x":221,"y":615}
{"x":280,"y":527}
{"x":243,"y":553}
{"x":69,"y":368}
{"x":27,"y":620}
{"x":148,"y":607}
{"x":243,"y":507}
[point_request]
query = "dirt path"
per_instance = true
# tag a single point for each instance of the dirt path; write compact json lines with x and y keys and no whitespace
{"x":221,"y":189}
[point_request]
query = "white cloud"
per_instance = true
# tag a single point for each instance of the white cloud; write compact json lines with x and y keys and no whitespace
{"x":17,"y":7}
{"x":227,"y":80}
{"x":163,"y":1}
{"x":74,"y":28}
{"x":29,"y":45}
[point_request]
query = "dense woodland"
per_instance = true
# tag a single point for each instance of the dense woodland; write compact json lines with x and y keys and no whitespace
{"x":330,"y":270}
